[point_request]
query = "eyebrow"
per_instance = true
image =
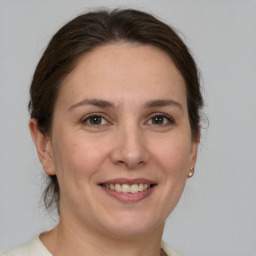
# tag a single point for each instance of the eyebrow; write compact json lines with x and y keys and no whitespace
{"x":94,"y":102}
{"x":163,"y":103}
{"x":106,"y":104}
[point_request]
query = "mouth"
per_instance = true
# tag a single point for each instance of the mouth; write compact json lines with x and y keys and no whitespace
{"x":128,"y":190}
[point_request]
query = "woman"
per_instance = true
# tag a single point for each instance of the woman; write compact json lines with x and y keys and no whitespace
{"x":115,"y":118}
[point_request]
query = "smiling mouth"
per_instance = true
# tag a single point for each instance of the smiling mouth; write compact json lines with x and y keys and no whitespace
{"x":127,"y":188}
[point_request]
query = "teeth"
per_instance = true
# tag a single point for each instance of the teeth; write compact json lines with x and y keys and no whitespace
{"x":118,"y":188}
{"x":134,"y":188}
{"x":141,"y":187}
{"x":125,"y":188}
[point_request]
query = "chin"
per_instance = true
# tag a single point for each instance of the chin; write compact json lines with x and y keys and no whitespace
{"x":131,"y":225}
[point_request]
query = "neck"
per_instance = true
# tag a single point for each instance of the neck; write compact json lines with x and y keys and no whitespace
{"x":70,"y":239}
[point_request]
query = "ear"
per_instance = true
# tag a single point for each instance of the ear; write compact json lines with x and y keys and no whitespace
{"x":193,"y":152}
{"x":43,"y":146}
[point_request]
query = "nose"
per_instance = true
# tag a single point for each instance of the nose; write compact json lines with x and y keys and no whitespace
{"x":129,"y":148}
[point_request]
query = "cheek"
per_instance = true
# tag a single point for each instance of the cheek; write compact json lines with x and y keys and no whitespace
{"x":77,"y":162}
{"x":79,"y":157}
{"x":173,"y":156}
{"x":172,"y":160}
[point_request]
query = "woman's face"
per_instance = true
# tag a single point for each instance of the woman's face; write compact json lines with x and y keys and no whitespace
{"x":121,"y":123}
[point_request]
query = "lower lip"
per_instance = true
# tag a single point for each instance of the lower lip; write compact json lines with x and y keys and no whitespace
{"x":129,"y":197}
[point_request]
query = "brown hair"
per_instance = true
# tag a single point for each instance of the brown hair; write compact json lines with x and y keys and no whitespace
{"x":92,"y":30}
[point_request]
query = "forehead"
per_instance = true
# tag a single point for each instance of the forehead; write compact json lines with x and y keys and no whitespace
{"x":122,"y":71}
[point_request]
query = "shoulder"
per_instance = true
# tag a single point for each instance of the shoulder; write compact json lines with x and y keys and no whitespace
{"x":168,"y":250}
{"x":36,"y":247}
{"x":32,"y":248}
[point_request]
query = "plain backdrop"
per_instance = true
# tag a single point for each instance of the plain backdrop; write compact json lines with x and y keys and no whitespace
{"x":217,"y":212}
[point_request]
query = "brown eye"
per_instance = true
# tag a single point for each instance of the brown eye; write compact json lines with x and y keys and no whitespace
{"x":157,"y":120}
{"x":95,"y":120}
{"x":160,"y":120}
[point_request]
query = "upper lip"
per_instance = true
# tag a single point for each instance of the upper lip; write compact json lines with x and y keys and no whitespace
{"x":128,"y":181}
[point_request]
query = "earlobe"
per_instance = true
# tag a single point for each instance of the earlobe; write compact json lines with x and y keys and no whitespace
{"x":43,"y":147}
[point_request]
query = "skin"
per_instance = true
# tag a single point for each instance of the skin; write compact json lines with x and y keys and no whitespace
{"x":127,"y":143}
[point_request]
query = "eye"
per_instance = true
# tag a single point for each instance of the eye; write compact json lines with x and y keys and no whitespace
{"x":160,"y":120}
{"x":95,"y":120}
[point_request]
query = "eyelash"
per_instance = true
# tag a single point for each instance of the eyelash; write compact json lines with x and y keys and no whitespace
{"x":93,"y":115}
{"x":170,"y":120}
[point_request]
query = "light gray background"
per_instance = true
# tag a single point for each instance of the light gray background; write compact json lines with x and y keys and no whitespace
{"x":217,"y":213}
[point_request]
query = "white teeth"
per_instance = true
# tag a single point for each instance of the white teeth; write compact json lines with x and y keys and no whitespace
{"x":141,"y":187}
{"x":118,"y":188}
{"x":134,"y":188}
{"x":126,"y":188}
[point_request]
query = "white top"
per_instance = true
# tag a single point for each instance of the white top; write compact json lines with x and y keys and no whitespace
{"x":36,"y":248}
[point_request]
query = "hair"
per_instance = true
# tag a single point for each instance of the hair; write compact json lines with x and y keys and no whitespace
{"x":94,"y":29}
